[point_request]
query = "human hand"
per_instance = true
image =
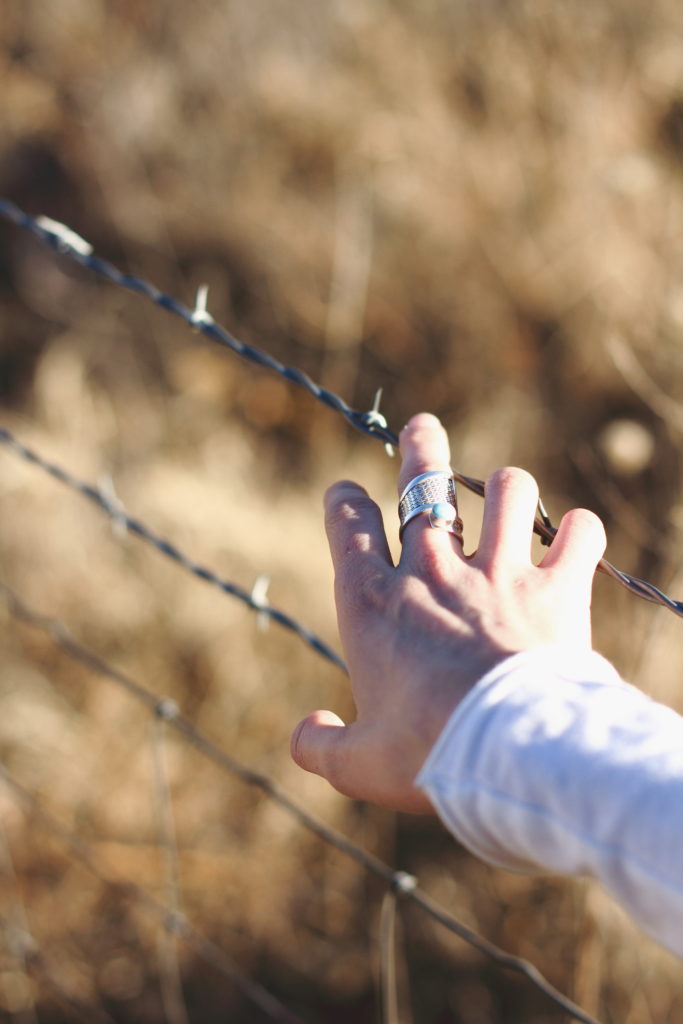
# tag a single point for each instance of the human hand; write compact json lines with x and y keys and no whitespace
{"x":419,"y":636}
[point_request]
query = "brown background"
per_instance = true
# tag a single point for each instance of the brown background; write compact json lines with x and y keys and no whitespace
{"x":477,"y":207}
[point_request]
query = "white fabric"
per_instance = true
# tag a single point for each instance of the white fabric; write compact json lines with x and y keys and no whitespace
{"x":552,"y":763}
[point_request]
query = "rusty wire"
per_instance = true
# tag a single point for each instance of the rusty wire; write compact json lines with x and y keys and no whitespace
{"x":65,"y":241}
{"x":403,"y":885}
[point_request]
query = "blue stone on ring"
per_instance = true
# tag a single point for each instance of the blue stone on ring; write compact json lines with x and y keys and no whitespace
{"x":442,"y":515}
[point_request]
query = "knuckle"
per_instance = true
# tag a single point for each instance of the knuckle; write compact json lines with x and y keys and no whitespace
{"x":435,"y":565}
{"x":430,"y":560}
{"x":346,"y":506}
{"x":366,"y":591}
{"x":373,"y":588}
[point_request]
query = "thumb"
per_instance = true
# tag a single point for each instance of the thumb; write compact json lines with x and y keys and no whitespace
{"x":318,"y":745}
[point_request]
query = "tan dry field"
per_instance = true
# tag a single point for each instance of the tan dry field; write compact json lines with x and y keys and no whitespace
{"x":477,"y":207}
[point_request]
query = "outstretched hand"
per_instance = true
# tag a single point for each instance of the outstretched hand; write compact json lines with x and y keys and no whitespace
{"x":418,"y":636}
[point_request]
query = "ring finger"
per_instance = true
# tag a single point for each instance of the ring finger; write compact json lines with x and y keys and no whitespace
{"x":424,"y":449}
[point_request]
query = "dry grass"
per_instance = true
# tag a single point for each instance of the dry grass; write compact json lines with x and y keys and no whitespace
{"x":477,"y":207}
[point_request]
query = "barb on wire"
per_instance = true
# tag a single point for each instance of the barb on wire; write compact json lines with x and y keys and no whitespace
{"x":63,"y":240}
{"x":374,"y":418}
{"x":546,"y":531}
{"x":112,"y":505}
{"x":102,"y":497}
{"x":200,"y":314}
{"x":402,"y":883}
{"x":259,"y":596}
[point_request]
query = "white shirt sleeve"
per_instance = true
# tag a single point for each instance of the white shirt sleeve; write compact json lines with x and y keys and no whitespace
{"x":552,"y":763}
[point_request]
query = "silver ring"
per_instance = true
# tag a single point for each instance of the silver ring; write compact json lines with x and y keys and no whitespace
{"x":434,"y":493}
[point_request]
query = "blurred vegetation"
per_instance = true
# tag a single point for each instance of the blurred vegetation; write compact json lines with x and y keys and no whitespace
{"x":477,"y":207}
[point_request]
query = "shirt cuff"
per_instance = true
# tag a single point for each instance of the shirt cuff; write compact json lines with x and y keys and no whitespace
{"x":448,"y":766}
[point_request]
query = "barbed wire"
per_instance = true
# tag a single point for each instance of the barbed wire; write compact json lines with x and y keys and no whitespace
{"x":64,"y":240}
{"x":405,"y":886}
{"x":546,"y":531}
{"x":373,"y":423}
{"x":102,"y":498}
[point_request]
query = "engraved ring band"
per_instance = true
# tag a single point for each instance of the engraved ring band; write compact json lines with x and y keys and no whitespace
{"x":435,"y":494}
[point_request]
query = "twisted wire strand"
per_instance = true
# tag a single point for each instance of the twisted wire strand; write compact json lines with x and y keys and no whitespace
{"x":65,"y":241}
{"x":140,"y":529}
{"x":546,"y":531}
{"x":402,"y":883}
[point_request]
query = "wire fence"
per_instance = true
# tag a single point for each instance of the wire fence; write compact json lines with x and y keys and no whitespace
{"x":166,"y":715}
{"x":113,"y":508}
{"x":401,"y":886}
{"x":62,"y":239}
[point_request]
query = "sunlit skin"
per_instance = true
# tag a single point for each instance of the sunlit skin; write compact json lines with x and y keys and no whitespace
{"x":418,"y":636}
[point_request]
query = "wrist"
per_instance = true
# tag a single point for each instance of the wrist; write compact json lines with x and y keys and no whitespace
{"x":538,"y":663}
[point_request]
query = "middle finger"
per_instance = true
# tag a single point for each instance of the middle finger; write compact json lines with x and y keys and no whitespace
{"x":510,"y":503}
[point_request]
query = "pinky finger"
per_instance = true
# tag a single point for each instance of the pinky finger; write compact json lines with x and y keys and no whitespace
{"x":579,"y":544}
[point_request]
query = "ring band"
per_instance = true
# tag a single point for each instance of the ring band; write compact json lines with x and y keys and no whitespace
{"x":431,"y":492}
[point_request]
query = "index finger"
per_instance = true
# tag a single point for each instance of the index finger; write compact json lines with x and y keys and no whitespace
{"x":360,"y":553}
{"x":354,"y":528}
